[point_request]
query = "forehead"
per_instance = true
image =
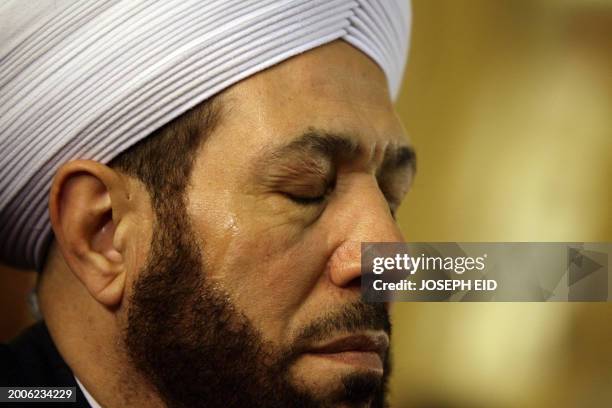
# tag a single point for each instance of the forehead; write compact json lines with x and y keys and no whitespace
{"x":334,"y":87}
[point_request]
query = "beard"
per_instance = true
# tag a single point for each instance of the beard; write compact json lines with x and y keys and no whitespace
{"x":187,"y":339}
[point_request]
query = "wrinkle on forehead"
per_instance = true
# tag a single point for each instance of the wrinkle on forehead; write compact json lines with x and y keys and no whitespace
{"x":334,"y":87}
{"x":334,"y":72}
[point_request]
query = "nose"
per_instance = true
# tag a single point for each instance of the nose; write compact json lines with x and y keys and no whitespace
{"x":365,"y":220}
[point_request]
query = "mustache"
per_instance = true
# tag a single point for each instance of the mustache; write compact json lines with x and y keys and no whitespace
{"x":358,"y":316}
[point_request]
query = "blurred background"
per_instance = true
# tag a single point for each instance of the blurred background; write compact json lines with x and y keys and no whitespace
{"x":509,"y":105}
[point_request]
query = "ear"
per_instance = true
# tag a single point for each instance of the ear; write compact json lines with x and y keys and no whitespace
{"x":86,"y":206}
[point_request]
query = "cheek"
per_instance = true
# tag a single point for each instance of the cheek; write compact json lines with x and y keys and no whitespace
{"x":267,"y":264}
{"x":271,"y":278}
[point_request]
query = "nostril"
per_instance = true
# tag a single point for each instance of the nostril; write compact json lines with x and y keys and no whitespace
{"x":355,"y":283}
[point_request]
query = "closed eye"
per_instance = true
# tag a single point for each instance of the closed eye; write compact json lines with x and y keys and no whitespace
{"x":306,"y":199}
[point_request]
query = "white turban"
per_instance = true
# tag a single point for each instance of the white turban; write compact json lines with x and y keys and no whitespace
{"x":87,"y":79}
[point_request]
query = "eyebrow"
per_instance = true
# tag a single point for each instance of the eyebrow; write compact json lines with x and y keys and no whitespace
{"x":402,"y":157}
{"x":339,"y":146}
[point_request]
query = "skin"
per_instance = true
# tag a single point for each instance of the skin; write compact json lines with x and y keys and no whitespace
{"x":284,"y":263}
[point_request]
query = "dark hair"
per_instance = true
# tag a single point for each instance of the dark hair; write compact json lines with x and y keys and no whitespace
{"x":163,"y":161}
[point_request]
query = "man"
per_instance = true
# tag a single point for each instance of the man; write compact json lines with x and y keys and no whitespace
{"x":206,"y":231}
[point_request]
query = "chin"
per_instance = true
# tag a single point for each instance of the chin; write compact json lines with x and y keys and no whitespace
{"x":340,"y":381}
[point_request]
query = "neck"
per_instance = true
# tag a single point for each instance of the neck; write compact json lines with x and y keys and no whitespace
{"x":88,"y":337}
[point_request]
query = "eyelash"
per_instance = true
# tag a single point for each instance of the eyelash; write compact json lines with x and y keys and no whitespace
{"x":393,"y":212}
{"x":306,"y":200}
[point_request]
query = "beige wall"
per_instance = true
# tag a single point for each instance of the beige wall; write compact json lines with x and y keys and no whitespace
{"x":509,"y":105}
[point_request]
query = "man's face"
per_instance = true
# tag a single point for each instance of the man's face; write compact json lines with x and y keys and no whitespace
{"x":308,"y":160}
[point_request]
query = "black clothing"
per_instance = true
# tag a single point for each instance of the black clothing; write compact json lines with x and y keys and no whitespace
{"x":32,"y":360}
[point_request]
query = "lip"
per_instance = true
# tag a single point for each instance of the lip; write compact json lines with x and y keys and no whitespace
{"x":364,"y":350}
